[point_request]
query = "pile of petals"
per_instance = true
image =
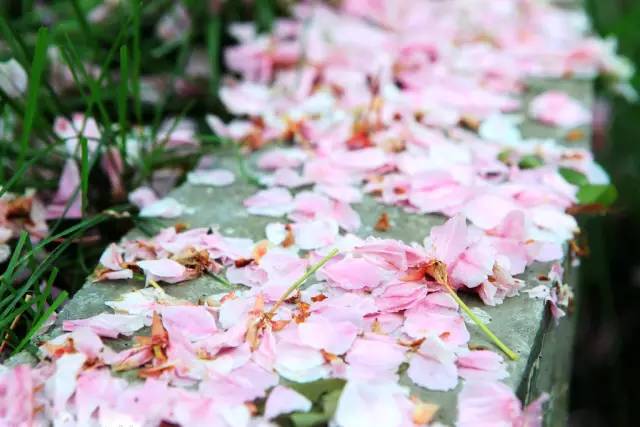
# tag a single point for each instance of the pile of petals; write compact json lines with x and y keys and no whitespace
{"x":370,"y":316}
{"x":483,"y":262}
{"x":413,"y":103}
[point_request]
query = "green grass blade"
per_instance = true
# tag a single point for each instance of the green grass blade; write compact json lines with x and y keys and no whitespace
{"x":37,"y":67}
{"x":61,"y":298}
{"x":7,"y":276}
{"x":213,"y":49}
{"x":123,"y":93}
{"x":17,"y":49}
{"x":84,"y":173}
{"x":136,"y":59}
{"x":82,"y":21}
{"x":18,"y":175}
{"x":264,"y":15}
{"x":94,"y":87}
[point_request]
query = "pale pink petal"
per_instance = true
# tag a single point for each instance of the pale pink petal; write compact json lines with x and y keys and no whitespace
{"x":332,"y":336}
{"x":272,"y":202}
{"x":399,"y":296}
{"x":213,"y":177}
{"x":360,"y":160}
{"x":118,"y":275}
{"x":13,"y":78}
{"x":108,"y":325}
{"x":487,"y":404}
{"x":283,"y":400}
{"x":62,"y":384}
{"x":533,"y":414}
{"x":346,"y":216}
{"x":374,"y":356}
{"x":364,"y":404}
{"x":68,"y":185}
{"x":481,"y":365}
{"x":17,"y":402}
{"x":111,"y":257}
{"x":163,"y":269}
{"x":488,"y":211}
{"x":286,"y":177}
{"x":446,"y":242}
{"x":342,"y":193}
{"x":300,"y":363}
{"x":281,"y":158}
{"x":390,"y":254}
{"x":194,"y":322}
{"x":165,"y":208}
{"x":432,"y":318}
{"x":433,"y":366}
{"x":556,"y":108}
{"x":315,"y":234}
{"x":352,"y":273}
{"x":142,"y":197}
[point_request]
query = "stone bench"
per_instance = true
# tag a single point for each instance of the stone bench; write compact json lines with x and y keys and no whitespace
{"x":521,"y":322}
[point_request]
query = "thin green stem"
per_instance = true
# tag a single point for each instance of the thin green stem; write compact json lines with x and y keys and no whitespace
{"x":296,"y":285}
{"x":502,"y":346}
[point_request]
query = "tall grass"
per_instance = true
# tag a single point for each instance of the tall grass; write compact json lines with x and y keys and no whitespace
{"x":107,"y":62}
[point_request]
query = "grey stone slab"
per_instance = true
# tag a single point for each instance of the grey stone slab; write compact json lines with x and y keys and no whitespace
{"x":522,"y":323}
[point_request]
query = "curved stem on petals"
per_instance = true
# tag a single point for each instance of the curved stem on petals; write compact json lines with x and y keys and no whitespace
{"x":502,"y":346}
{"x":300,"y":282}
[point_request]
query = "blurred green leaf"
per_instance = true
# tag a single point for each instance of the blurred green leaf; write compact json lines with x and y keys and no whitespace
{"x":308,"y":419}
{"x":530,"y":161}
{"x":592,"y":194}
{"x":315,"y":389}
{"x":574,"y":177}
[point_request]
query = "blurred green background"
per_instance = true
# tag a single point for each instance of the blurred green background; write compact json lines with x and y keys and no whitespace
{"x":606,"y":370}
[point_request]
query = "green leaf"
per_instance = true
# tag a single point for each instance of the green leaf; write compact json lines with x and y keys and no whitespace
{"x":308,"y":419}
{"x":574,"y":177}
{"x":604,"y":195}
{"x":315,"y":389}
{"x":504,"y":156}
{"x":330,"y":402}
{"x":264,"y":15}
{"x":530,"y":161}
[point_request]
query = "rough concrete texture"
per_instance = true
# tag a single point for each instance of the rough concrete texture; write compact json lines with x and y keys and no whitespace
{"x":522,"y":323}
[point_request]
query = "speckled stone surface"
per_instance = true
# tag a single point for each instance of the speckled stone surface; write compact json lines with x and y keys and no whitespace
{"x":522,"y":323}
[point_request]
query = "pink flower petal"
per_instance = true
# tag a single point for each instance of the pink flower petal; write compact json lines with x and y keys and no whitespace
{"x":214,"y":177}
{"x":194,"y":322}
{"x":481,"y":365}
{"x":433,"y":366}
{"x":163,"y":269}
{"x":353,"y":273}
{"x":272,"y":202}
{"x":332,"y":336}
{"x":556,"y":108}
{"x":142,"y":197}
{"x":68,"y":185}
{"x":283,"y":400}
{"x":108,"y":325}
